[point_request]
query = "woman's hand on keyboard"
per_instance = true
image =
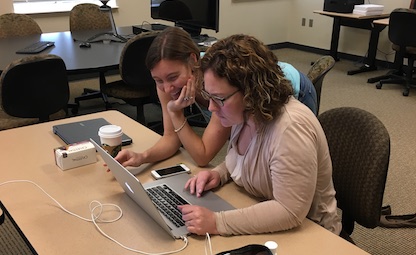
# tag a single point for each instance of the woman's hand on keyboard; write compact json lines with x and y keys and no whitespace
{"x":203,"y":181}
{"x":198,"y":220}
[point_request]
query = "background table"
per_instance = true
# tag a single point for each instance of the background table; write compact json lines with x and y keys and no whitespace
{"x":383,"y":22}
{"x":99,"y":58}
{"x":356,"y":21}
{"x":27,"y":153}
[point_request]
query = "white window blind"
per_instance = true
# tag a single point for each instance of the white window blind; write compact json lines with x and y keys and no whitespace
{"x":50,"y":6}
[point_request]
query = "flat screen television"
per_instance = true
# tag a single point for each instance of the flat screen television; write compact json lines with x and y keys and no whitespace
{"x":191,"y":15}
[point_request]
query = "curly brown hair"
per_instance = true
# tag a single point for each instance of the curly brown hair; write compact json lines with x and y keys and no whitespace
{"x":251,"y":67}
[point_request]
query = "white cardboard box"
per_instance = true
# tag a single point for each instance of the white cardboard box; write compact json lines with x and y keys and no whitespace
{"x":75,"y":155}
{"x":369,"y":7}
{"x":366,"y":13}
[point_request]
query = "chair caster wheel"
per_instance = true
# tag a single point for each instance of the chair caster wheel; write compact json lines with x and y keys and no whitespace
{"x":406,"y":92}
{"x":378,"y":85}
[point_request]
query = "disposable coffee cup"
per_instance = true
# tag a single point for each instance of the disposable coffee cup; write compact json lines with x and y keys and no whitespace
{"x":272,"y":246}
{"x":110,"y":137}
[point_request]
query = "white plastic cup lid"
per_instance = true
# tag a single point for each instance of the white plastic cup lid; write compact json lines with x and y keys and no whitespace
{"x":272,"y":246}
{"x":110,"y":131}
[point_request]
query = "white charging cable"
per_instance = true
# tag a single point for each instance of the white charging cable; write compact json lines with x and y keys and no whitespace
{"x":208,"y":244}
{"x":95,"y":217}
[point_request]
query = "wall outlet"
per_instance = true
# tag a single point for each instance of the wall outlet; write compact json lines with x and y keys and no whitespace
{"x":310,"y":22}
{"x":303,"y":22}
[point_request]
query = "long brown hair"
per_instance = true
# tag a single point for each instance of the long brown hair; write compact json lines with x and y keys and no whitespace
{"x":173,"y":43}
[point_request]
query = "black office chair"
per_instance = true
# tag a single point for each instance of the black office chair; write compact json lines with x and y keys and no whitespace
{"x":137,"y":86}
{"x":401,"y":33}
{"x":33,"y":89}
{"x":317,"y":73}
{"x":359,"y":145}
{"x":14,"y":24}
{"x":88,"y":16}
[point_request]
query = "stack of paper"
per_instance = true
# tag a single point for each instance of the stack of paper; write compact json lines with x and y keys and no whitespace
{"x":368,"y":9}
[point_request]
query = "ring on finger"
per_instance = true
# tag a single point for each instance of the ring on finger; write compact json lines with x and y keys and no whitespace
{"x":185,"y":98}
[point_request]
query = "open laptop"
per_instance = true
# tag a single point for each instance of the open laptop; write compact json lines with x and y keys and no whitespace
{"x":76,"y":132}
{"x":142,"y":195}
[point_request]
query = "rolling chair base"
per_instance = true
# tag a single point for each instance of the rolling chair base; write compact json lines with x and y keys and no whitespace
{"x":390,"y":74}
{"x":90,"y":94}
{"x":397,"y":79}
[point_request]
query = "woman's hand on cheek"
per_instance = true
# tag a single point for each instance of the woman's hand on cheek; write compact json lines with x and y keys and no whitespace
{"x":192,"y":88}
{"x":185,"y":99}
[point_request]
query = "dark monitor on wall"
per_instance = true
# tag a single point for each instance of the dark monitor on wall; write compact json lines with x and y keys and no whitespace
{"x":191,"y":15}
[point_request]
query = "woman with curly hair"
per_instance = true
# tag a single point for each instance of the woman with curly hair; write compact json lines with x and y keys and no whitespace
{"x":277,"y":152}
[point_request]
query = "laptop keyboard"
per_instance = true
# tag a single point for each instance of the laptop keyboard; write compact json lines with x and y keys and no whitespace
{"x":35,"y":47}
{"x":167,"y":201}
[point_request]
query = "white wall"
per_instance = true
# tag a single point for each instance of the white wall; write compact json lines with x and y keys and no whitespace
{"x":272,"y":21}
{"x":265,"y":19}
{"x":257,"y":17}
{"x":6,"y":6}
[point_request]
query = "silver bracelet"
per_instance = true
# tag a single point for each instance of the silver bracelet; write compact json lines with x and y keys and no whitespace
{"x":179,"y":128}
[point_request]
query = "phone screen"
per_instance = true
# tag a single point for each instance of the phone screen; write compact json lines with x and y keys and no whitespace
{"x":170,"y":170}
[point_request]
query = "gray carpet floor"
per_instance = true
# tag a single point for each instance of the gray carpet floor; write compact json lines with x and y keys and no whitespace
{"x":398,"y":114}
{"x":11,"y":241}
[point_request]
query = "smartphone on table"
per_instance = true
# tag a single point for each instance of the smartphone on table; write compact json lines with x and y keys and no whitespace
{"x":170,"y":171}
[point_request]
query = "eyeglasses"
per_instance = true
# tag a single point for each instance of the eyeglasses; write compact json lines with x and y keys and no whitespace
{"x":218,"y":100}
